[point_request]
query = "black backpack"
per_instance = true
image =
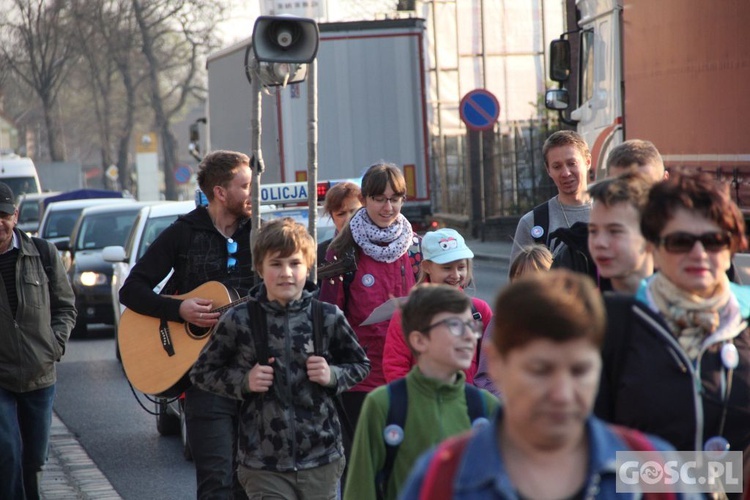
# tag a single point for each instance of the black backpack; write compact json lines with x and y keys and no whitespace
{"x":260,"y":339}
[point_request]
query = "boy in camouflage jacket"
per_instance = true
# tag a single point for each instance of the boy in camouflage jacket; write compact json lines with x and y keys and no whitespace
{"x":290,"y":435}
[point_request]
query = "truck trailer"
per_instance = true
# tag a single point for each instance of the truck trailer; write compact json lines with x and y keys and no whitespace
{"x":371,"y":107}
{"x":673,"y":72}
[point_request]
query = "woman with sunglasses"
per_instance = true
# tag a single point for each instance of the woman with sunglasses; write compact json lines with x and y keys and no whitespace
{"x":677,"y":355}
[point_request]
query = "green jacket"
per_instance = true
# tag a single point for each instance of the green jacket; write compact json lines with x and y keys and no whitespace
{"x":35,"y":339}
{"x":436,"y":411}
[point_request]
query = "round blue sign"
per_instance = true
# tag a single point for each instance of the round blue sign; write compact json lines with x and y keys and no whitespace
{"x":479,"y":109}
{"x":182,"y":174}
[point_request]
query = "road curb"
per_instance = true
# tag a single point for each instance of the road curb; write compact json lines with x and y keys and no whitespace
{"x":70,"y":473}
{"x":489,"y":257}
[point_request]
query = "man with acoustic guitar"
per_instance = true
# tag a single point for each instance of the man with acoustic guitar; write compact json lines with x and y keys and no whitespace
{"x":208,"y":244}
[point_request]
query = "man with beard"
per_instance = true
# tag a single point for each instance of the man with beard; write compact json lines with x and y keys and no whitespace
{"x":567,"y":160}
{"x":208,"y":244}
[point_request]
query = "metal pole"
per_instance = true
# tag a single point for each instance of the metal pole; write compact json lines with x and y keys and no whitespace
{"x":312,"y":155}
{"x":255,"y":132}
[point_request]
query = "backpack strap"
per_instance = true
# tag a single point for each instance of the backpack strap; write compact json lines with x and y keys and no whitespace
{"x":477,"y":316}
{"x":441,"y":470}
{"x":475,"y":405}
{"x":638,"y":441}
{"x":317,"y":317}
{"x":260,"y":331}
{"x":393,"y":433}
{"x":44,"y":253}
{"x":541,"y":219}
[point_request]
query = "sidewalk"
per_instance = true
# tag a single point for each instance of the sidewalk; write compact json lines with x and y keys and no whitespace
{"x":70,"y":474}
{"x":491,"y":250}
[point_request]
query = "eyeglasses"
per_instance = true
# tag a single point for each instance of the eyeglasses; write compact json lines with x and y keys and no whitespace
{"x":231,"y":250}
{"x":684,"y":242}
{"x":394,"y":200}
{"x":458,"y":327}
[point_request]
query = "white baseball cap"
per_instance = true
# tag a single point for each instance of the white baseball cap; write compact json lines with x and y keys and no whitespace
{"x":445,"y":245}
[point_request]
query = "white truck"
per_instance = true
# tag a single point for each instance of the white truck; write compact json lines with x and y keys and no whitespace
{"x":674,"y":72}
{"x":371,"y":107}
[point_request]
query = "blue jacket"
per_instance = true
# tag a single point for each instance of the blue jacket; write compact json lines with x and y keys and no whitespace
{"x":481,"y":473}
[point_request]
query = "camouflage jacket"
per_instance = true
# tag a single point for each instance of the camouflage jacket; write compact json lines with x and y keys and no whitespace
{"x":294,"y":426}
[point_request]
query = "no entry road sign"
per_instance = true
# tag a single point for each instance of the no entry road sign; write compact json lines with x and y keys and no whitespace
{"x":479,"y":109}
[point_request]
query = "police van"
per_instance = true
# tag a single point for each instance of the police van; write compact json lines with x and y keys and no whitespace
{"x":20,"y":174}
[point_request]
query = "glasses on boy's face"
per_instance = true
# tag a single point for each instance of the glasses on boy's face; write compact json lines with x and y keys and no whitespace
{"x":231,"y":250}
{"x":457,"y":327}
{"x":395,"y":201}
{"x":680,"y":242}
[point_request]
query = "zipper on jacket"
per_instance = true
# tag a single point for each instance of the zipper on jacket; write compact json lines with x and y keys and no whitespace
{"x":686,"y":363}
{"x":403,"y":277}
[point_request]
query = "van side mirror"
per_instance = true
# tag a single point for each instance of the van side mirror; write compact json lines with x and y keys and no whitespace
{"x":559,"y":60}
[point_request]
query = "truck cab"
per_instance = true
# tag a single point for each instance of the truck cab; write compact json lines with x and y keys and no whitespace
{"x":596,"y":106}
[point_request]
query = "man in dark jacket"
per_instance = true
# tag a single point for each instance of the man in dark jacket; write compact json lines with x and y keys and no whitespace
{"x":37,"y":313}
{"x":208,"y":244}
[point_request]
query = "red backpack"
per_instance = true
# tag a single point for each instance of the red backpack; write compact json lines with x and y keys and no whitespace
{"x":441,"y":471}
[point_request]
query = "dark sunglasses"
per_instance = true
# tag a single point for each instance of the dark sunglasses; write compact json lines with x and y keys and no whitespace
{"x":231,"y":250}
{"x":684,"y":242}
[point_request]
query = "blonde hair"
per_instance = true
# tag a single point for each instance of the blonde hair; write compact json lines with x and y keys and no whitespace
{"x":531,"y":258}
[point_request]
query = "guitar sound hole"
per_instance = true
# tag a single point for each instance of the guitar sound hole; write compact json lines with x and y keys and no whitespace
{"x":195,"y":331}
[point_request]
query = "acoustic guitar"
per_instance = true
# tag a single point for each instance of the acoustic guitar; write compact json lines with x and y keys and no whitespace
{"x":158,"y":354}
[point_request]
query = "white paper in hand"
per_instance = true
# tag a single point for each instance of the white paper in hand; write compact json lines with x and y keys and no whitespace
{"x":384,"y":311}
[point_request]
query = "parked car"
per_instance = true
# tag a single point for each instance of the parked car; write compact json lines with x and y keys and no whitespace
{"x":89,"y":274}
{"x":30,"y":210}
{"x":149,"y":223}
{"x":60,"y":217}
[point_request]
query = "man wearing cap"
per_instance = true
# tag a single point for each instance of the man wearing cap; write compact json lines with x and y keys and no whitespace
{"x":37,"y":313}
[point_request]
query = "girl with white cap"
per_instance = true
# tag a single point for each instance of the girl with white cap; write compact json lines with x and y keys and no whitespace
{"x":445,"y":259}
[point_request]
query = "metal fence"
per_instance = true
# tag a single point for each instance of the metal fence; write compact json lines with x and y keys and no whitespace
{"x":503,"y":168}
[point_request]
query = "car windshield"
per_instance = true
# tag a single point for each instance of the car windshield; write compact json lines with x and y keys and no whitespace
{"x":28,"y":211}
{"x":151,"y":230}
{"x":60,"y":223}
{"x":99,"y":231}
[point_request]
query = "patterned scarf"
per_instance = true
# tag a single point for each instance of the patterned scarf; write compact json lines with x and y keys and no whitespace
{"x":690,"y":317}
{"x":382,"y":244}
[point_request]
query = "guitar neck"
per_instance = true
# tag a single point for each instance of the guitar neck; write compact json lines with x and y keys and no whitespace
{"x":227,"y":307}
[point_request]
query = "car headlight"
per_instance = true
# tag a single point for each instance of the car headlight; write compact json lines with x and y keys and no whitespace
{"x":90,"y":278}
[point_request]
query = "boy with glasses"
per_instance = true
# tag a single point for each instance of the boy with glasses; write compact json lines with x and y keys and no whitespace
{"x":440,"y":330}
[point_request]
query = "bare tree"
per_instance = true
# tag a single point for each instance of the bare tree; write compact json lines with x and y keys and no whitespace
{"x":108,"y":38}
{"x":35,"y":48}
{"x":175,"y":37}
